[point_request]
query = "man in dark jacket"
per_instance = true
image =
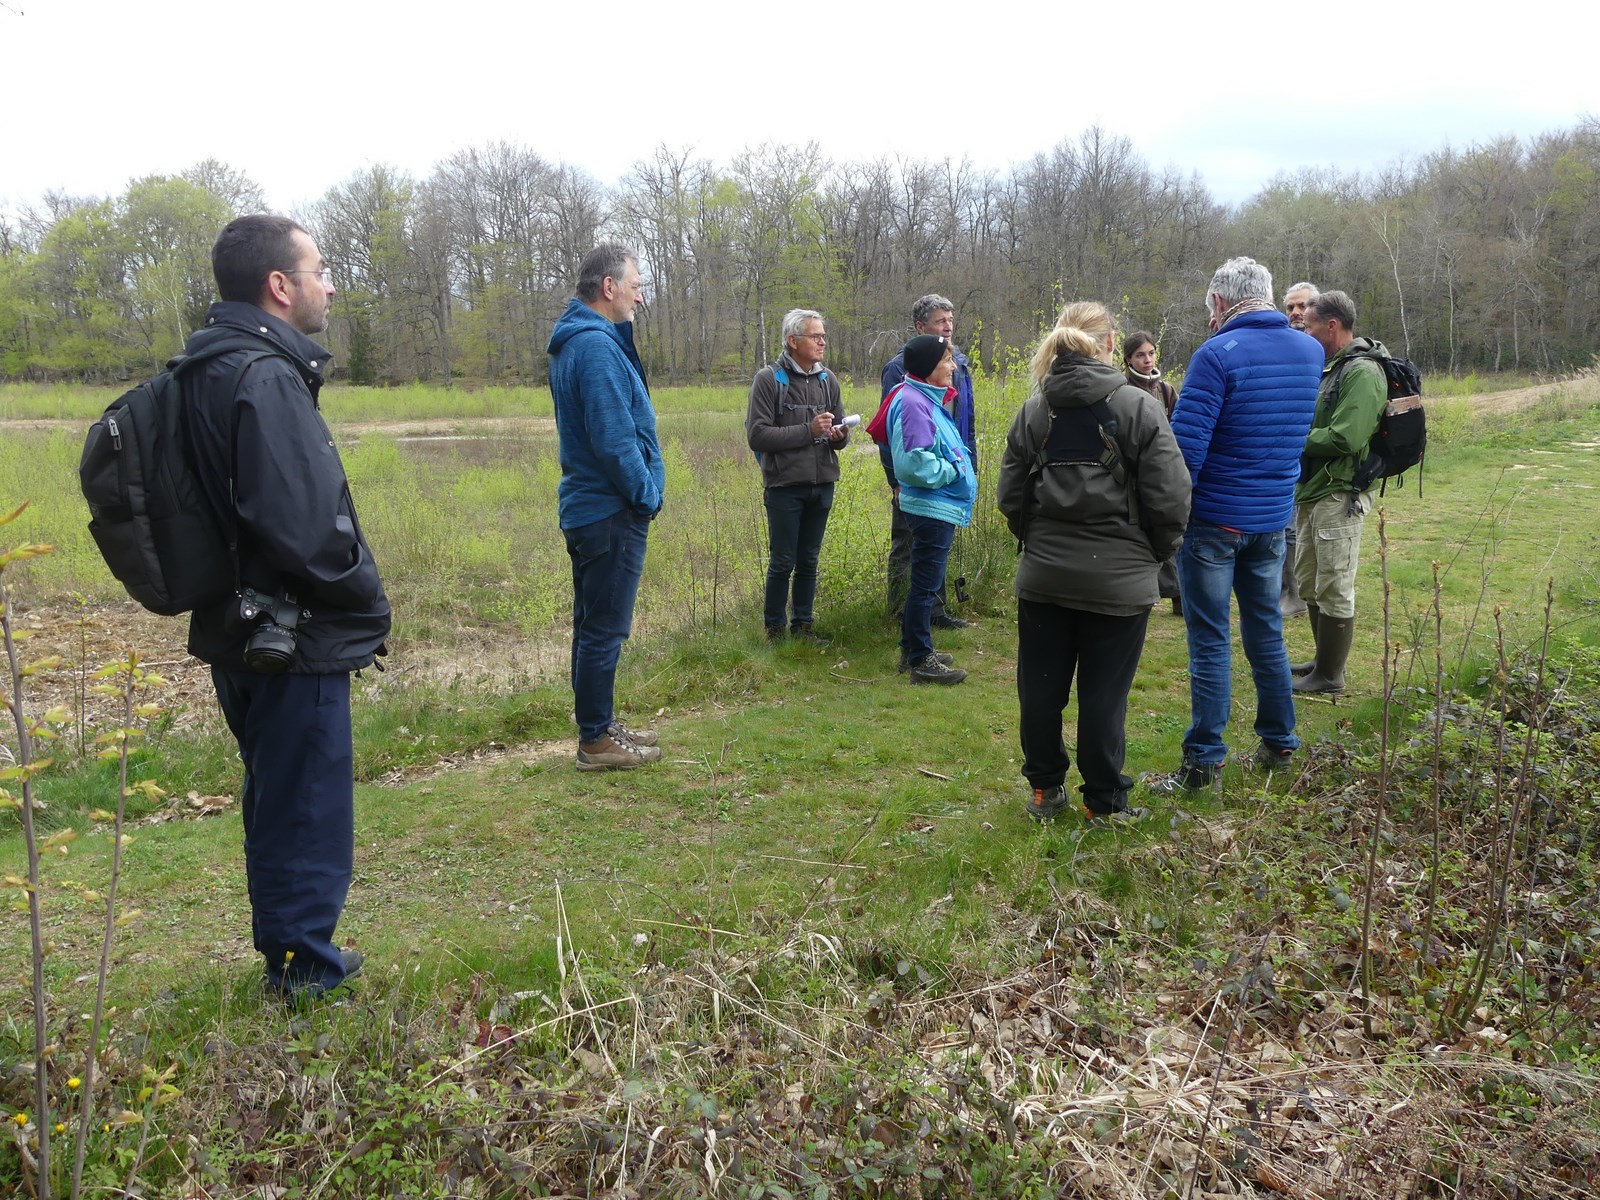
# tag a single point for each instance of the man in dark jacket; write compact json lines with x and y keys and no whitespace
{"x":311,"y":608}
{"x":612,"y":477}
{"x":934,"y":315}
{"x":793,"y":425}
{"x":1241,"y":421}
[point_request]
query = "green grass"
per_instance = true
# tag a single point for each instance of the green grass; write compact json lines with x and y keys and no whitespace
{"x":805,"y":794}
{"x":805,"y":749}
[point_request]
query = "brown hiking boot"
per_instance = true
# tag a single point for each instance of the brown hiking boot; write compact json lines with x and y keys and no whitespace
{"x":613,"y":754}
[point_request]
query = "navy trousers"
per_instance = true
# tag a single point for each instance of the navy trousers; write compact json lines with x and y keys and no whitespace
{"x":930,"y":550}
{"x":299,"y":815}
{"x":607,"y":562}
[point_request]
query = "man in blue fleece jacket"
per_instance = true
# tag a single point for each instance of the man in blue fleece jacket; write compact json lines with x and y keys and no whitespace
{"x":612,"y":479}
{"x":1241,"y":423}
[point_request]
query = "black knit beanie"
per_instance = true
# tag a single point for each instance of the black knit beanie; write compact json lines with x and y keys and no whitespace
{"x":923,"y":352}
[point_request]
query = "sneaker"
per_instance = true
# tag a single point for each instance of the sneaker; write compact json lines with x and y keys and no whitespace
{"x":613,"y":754}
{"x":807,"y":632}
{"x":946,"y":621}
{"x":639,"y":737}
{"x":1047,"y":804}
{"x":296,"y":993}
{"x":905,"y":663}
{"x":931,"y":670}
{"x":1271,"y":758}
{"x":1189,"y":777}
{"x":1121,"y":816}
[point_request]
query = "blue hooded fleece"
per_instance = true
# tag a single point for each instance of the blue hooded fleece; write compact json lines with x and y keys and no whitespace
{"x":610,"y":458}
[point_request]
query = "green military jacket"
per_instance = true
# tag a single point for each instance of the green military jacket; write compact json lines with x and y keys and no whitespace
{"x":1342,"y":425}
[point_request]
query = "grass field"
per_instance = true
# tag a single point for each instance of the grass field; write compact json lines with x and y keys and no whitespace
{"x":819,"y":946}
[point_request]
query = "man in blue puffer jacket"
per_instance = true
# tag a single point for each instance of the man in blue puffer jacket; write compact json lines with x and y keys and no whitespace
{"x":612,"y":478}
{"x":1241,"y":422}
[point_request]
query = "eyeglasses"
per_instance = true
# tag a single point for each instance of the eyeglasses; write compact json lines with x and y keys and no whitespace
{"x":325,"y":273}
{"x":815,"y":337}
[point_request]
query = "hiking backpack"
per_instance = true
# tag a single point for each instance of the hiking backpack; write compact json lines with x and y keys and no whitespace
{"x":1401,"y":439}
{"x":1085,"y":437}
{"x":147,"y":511}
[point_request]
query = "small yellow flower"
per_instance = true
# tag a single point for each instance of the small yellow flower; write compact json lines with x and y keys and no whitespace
{"x":20,"y":1118}
{"x":74,"y":1083}
{"x":288,"y":957}
{"x":60,"y":1127}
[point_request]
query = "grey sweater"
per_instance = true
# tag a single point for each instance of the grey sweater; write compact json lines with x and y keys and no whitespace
{"x":780,"y":431}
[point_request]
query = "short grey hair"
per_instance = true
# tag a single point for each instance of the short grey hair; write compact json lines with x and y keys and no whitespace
{"x":1241,"y":279}
{"x":1305,"y":285}
{"x":927,"y":305}
{"x":796,"y":317}
{"x":607,"y":260}
{"x":1335,"y":306}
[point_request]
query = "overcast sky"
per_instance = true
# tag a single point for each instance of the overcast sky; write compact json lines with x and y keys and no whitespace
{"x":299,"y":95}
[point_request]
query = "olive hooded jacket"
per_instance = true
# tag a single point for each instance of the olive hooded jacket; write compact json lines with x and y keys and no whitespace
{"x":1084,"y":545}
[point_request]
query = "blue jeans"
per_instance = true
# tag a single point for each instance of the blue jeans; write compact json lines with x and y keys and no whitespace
{"x":298,"y":805}
{"x":930,"y":550}
{"x":1212,"y":564}
{"x":607,"y":560}
{"x":797,"y":516}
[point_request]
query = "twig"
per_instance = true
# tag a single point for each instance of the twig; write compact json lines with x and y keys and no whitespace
{"x":24,"y":765}
{"x":813,"y":862}
{"x":1383,"y":789}
{"x":932,"y":774}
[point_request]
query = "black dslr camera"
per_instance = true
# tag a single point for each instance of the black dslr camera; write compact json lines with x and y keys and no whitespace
{"x":270,"y":648}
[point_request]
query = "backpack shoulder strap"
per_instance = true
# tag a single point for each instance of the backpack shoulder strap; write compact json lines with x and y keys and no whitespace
{"x":780,"y":375}
{"x":1038,"y":426}
{"x":178,"y":365}
{"x":1111,"y":458}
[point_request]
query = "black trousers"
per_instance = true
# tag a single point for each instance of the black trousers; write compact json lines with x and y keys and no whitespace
{"x":299,"y":815}
{"x":1053,"y":645}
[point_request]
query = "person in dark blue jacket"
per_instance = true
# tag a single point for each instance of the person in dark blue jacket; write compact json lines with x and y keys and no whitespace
{"x":268,"y":466}
{"x":1241,"y":422}
{"x":612,"y":479}
{"x":931,"y":315}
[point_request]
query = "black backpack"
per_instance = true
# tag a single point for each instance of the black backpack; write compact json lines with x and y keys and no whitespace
{"x":1401,"y":439}
{"x":1079,"y":437}
{"x":147,"y":512}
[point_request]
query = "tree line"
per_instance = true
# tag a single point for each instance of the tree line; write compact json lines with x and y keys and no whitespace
{"x":1484,"y":258}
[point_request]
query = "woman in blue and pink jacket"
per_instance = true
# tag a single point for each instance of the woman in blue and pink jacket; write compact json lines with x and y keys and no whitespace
{"x":937,"y":487}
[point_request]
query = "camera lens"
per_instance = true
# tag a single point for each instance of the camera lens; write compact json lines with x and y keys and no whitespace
{"x":270,"y":649}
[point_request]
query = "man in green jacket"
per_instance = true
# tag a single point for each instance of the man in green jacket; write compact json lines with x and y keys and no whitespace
{"x":1328,"y":511}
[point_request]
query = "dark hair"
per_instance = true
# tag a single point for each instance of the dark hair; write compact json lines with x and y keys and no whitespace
{"x":608,"y":259}
{"x":1335,"y":306}
{"x":248,"y":250}
{"x":1134,"y":341}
